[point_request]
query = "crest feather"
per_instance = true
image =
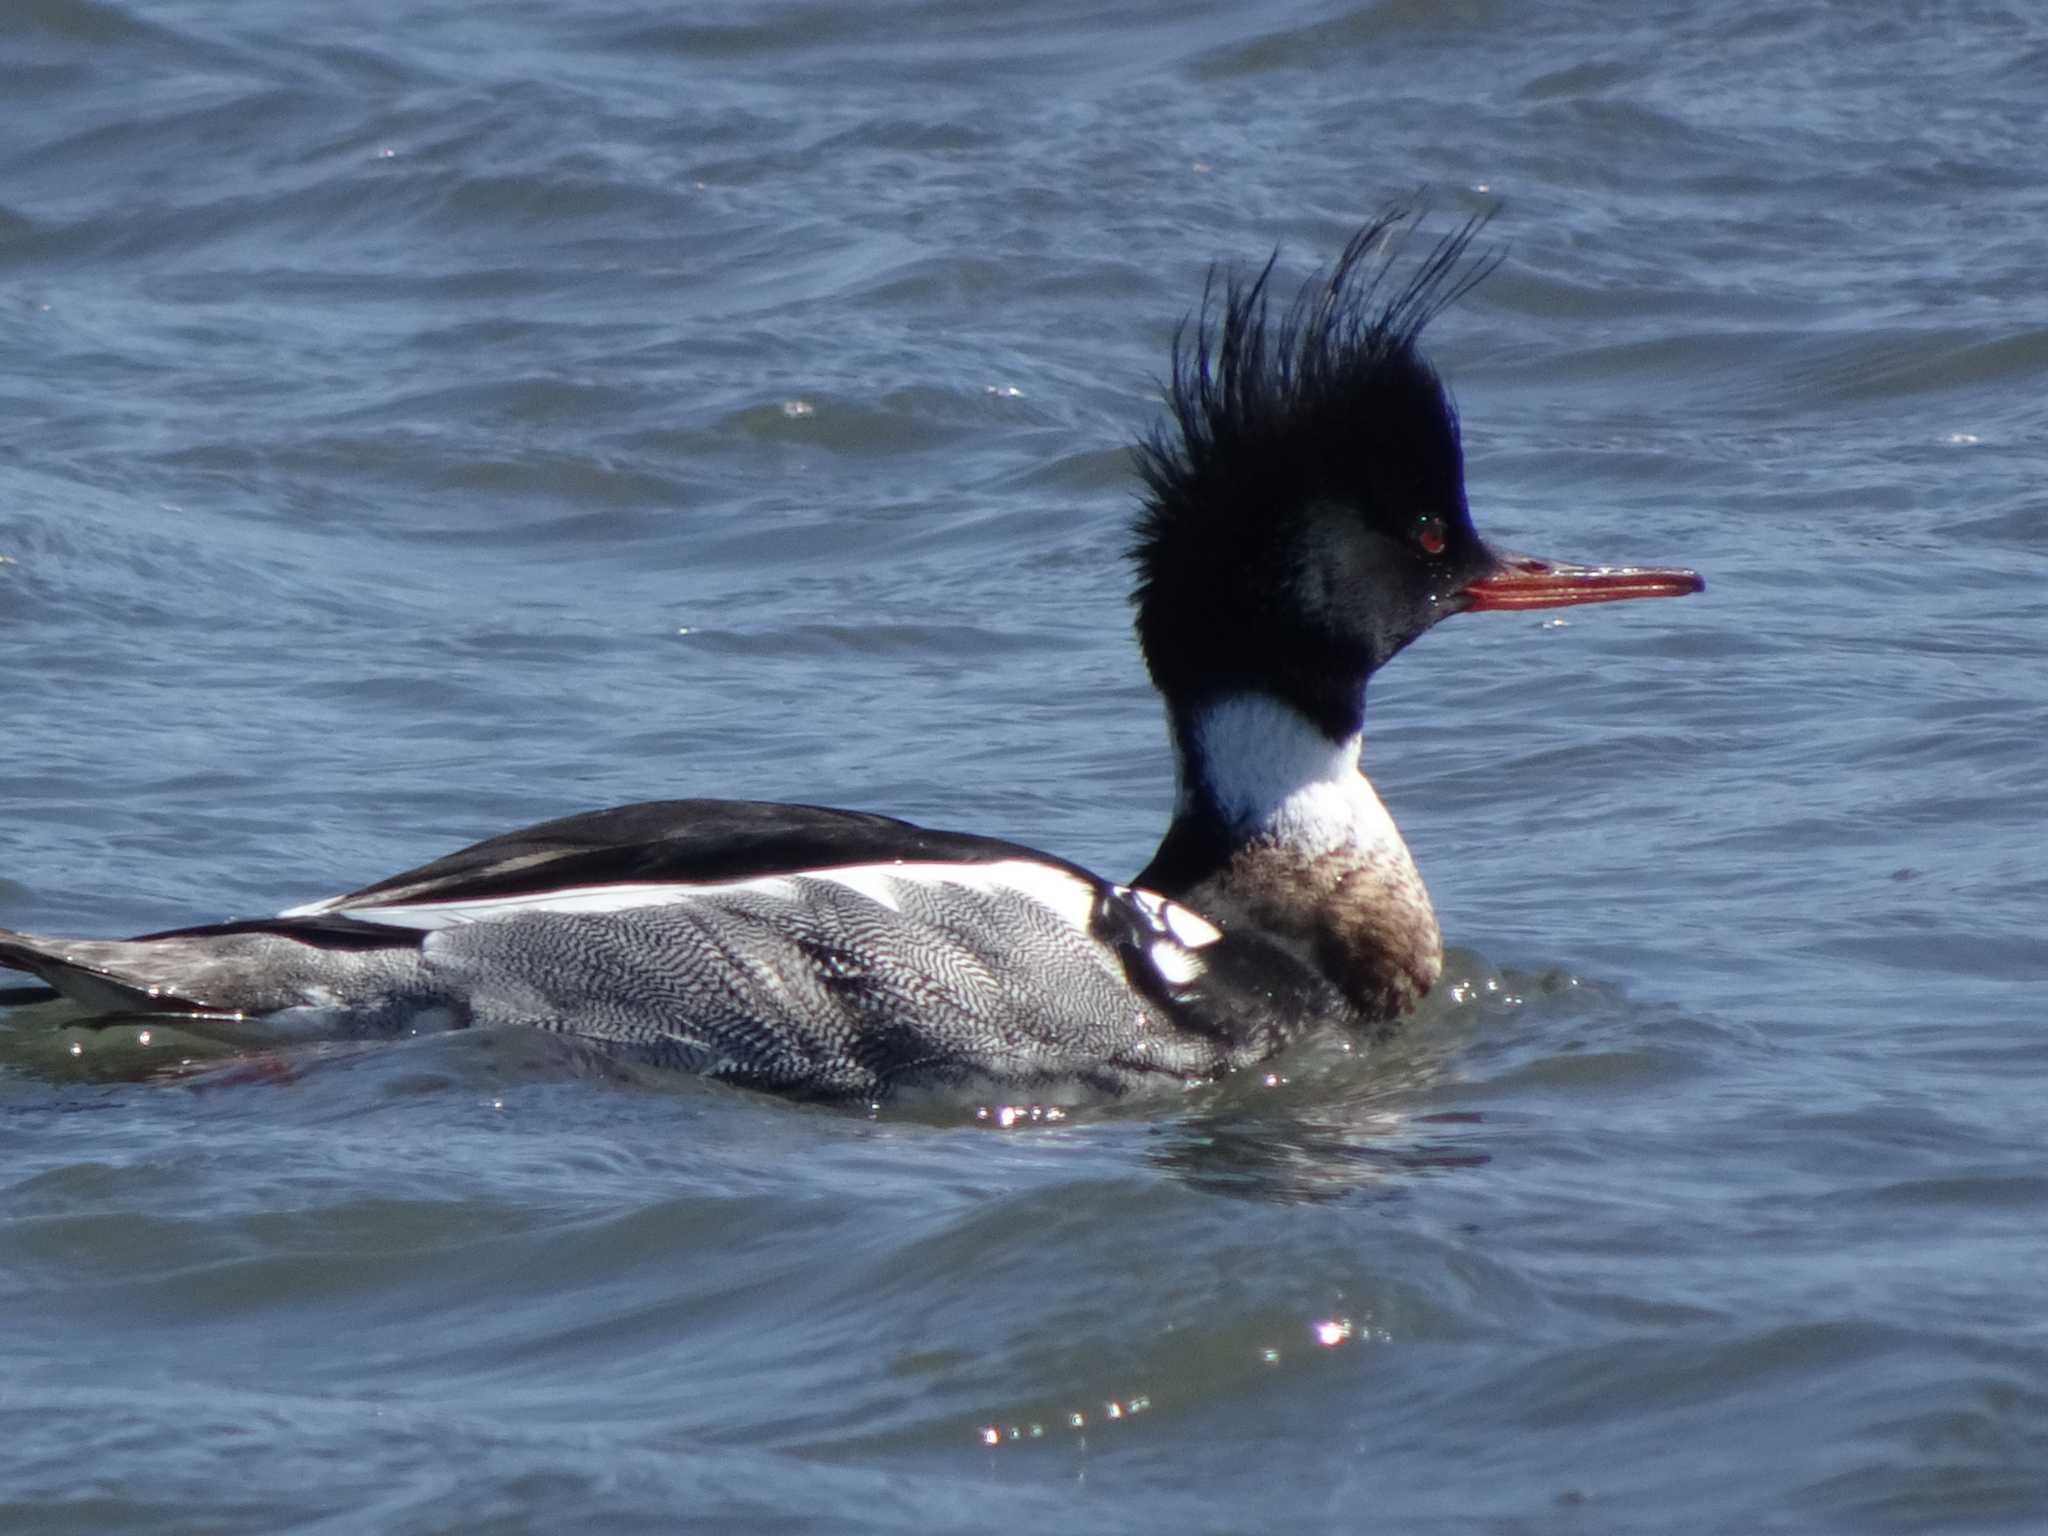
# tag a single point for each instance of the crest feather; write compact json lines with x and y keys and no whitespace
{"x":1265,"y":413}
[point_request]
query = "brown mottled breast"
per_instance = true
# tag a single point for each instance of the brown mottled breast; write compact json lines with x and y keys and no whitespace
{"x":1362,"y":916}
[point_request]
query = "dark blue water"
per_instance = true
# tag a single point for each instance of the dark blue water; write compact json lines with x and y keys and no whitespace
{"x":419,"y":420}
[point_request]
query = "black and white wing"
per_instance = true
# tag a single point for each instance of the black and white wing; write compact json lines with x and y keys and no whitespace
{"x":669,"y":842}
{"x":802,"y":947}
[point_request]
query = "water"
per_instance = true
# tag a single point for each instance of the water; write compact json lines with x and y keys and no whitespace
{"x":424,"y":422}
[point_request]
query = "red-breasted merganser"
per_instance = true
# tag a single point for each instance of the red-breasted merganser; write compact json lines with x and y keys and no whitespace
{"x":1305,"y":519}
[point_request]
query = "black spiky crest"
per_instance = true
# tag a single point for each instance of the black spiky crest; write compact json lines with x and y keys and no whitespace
{"x":1273,"y":425}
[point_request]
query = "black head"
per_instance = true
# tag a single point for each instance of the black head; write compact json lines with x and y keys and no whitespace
{"x":1305,"y":516}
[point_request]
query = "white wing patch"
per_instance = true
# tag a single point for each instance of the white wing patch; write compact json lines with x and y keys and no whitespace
{"x":1182,"y":931}
{"x":1186,"y":926}
{"x":1176,"y":966}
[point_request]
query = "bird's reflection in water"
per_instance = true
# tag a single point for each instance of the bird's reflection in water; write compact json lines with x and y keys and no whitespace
{"x":1338,"y":1118}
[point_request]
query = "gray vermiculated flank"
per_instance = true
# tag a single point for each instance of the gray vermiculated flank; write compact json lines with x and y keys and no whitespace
{"x":827,"y":989}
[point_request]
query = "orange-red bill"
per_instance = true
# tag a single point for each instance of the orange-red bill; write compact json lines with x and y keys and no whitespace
{"x":1525,"y":581}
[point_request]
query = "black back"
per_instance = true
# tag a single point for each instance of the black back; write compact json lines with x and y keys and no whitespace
{"x":696,"y":842}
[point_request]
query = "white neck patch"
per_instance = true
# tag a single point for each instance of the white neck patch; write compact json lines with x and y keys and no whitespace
{"x":1271,"y":773}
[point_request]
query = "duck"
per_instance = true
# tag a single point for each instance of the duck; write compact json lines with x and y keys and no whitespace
{"x":1302,"y":519}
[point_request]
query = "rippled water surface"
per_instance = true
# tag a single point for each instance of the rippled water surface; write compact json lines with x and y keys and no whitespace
{"x":420,"y":419}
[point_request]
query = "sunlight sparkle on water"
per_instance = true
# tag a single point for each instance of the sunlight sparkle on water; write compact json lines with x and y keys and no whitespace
{"x":1112,"y":1411}
{"x":1008,"y":1115}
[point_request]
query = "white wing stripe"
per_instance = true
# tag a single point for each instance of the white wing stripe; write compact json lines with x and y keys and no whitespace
{"x":1069,"y":896}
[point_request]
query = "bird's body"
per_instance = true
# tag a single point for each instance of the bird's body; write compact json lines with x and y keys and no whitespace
{"x":790,"y":947}
{"x":1306,"y":519}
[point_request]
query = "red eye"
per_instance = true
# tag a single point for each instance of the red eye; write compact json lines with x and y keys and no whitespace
{"x":1431,"y":535}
